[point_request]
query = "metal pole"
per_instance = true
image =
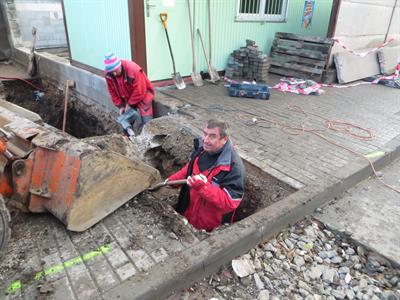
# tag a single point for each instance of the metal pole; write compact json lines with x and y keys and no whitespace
{"x":390,"y":22}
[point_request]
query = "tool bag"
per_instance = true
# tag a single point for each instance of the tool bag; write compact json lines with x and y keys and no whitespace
{"x":249,"y":90}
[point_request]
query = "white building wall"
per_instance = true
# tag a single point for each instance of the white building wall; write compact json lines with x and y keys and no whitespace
{"x":362,"y":24}
{"x":45,"y":15}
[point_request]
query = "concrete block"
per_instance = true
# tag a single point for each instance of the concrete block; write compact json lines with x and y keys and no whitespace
{"x":388,"y":58}
{"x":350,"y":67}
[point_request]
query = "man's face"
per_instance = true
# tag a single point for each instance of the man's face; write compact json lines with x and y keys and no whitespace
{"x":212,"y":141}
{"x":117,"y":72}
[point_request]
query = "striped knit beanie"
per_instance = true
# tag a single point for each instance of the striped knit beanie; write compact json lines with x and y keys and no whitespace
{"x":111,"y":62}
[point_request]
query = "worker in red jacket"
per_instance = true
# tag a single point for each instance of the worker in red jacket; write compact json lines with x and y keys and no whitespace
{"x":130,"y":90}
{"x":215,"y":179}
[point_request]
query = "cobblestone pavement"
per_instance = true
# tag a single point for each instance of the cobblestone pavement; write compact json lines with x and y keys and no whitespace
{"x":53,"y":263}
{"x":112,"y":257}
{"x":300,"y":159}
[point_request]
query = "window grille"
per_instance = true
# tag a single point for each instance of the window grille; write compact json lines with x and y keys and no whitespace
{"x":262,"y":10}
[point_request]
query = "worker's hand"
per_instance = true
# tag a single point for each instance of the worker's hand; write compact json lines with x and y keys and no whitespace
{"x":165,"y":183}
{"x":197,"y":181}
{"x":121,"y":110}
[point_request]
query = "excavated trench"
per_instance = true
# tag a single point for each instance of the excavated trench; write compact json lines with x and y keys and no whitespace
{"x":172,"y":149}
{"x":82,"y":120}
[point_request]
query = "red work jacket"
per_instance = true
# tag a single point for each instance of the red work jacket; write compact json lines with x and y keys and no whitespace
{"x":221,"y":195}
{"x":132,"y":87}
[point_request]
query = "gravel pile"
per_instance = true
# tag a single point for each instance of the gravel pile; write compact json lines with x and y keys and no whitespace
{"x":307,"y":261}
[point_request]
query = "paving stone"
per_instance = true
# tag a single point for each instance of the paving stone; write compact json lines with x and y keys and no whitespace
{"x":141,"y":259}
{"x":62,"y":289}
{"x":102,"y":273}
{"x":14,"y":296}
{"x":120,"y":233}
{"x":50,"y":261}
{"x":116,"y":256}
{"x":159,"y":255}
{"x":126,"y":271}
{"x":66,"y":248}
{"x":30,"y":291}
{"x":81,"y":282}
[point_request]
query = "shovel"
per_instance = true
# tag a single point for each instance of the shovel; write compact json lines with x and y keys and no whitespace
{"x":214,"y":77}
{"x":196,"y":77}
{"x":169,"y":183}
{"x":214,"y":74}
{"x":180,"y":84}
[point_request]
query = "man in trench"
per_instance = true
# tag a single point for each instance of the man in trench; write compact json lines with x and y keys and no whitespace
{"x":215,"y":179}
{"x":130,"y":90}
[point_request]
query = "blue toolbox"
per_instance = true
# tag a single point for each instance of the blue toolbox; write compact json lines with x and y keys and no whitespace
{"x":249,"y":90}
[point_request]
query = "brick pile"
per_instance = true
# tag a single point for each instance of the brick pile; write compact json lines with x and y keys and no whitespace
{"x":248,"y":63}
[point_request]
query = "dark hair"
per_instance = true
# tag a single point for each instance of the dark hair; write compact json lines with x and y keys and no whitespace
{"x":222,"y":127}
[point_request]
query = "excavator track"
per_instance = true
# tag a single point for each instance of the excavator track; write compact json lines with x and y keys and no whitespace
{"x":5,"y":230}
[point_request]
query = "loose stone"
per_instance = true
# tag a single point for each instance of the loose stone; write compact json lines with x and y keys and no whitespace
{"x":263,"y":295}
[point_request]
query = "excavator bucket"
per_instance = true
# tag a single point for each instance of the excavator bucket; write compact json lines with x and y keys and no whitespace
{"x":77,"y":182}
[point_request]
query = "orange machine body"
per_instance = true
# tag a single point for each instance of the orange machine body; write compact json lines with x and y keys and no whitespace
{"x":43,"y":169}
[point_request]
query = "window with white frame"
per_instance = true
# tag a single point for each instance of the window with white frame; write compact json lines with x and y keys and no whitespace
{"x":262,"y":10}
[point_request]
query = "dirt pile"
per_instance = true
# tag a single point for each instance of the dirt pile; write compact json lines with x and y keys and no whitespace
{"x":166,"y":143}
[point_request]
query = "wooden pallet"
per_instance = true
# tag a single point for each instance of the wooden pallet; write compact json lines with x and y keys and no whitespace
{"x":298,"y":56}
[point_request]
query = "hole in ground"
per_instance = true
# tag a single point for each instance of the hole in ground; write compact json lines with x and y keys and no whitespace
{"x":261,"y":189}
{"x":82,"y":120}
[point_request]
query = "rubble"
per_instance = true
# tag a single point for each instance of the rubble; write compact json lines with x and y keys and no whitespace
{"x":331,"y":268}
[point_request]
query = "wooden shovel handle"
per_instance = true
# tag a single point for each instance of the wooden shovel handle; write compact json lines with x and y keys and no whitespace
{"x":164,"y":18}
{"x":170,"y":183}
{"x":177,"y":182}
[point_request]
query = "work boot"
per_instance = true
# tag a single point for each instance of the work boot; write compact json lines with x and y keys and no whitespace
{"x":130,"y":131}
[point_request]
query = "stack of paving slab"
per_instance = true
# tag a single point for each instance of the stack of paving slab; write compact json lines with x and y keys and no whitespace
{"x":350,"y":67}
{"x":249,"y":63}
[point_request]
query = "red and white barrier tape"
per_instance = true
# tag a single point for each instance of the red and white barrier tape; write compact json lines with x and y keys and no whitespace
{"x":306,"y":87}
{"x":362,"y":54}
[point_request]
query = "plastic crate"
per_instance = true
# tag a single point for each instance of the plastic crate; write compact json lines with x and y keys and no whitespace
{"x":249,"y":90}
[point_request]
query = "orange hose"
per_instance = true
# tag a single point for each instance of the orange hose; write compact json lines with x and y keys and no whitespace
{"x":335,"y":125}
{"x":26,"y":81}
